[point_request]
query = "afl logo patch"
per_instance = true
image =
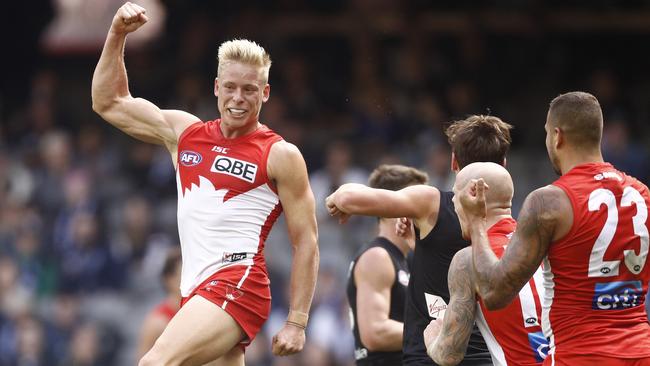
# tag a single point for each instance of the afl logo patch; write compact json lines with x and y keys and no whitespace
{"x":189,"y":158}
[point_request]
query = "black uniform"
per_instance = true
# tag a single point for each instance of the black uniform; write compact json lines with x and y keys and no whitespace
{"x":428,"y":288}
{"x":397,"y":301}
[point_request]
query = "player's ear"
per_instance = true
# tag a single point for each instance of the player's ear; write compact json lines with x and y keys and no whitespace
{"x":559,"y":137}
{"x":454,"y":163}
{"x":216,"y":87}
{"x":266,"y":93}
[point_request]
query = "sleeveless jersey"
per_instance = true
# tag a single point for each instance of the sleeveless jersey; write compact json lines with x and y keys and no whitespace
{"x":397,"y":300}
{"x":514,"y":334}
{"x":596,"y":277}
{"x":226,"y":203}
{"x":428,"y":291}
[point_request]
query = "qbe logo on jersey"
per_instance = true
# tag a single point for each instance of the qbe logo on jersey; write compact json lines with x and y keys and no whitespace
{"x":617,"y":295}
{"x":235,"y":167}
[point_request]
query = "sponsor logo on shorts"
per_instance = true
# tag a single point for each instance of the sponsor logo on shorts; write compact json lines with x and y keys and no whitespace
{"x":234,"y":167}
{"x":233,"y":293}
{"x":190,"y":158}
{"x":234,"y":257}
{"x":436,"y":305}
{"x":539,"y":344}
{"x":617,"y":295}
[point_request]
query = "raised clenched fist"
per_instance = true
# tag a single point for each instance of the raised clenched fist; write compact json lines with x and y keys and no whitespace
{"x":128,"y":18}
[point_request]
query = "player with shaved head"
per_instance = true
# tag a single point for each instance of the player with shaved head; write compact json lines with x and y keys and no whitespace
{"x":590,"y":230}
{"x":234,"y":178}
{"x":513,"y":335}
{"x":436,"y":231}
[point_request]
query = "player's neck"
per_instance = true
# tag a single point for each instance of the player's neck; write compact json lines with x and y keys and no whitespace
{"x":232,"y":131}
{"x":497,"y":215}
{"x":574,"y":158}
{"x":387,"y":230}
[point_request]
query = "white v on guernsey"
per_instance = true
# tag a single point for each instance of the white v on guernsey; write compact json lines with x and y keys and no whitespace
{"x":514,"y":334}
{"x":226,"y":203}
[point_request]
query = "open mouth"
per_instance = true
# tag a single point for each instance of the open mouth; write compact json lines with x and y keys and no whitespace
{"x":236,"y":112}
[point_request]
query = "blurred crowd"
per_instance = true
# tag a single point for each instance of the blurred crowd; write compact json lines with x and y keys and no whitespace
{"x":88,"y":215}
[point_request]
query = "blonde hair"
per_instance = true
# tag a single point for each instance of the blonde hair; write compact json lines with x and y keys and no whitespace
{"x":246,"y":52}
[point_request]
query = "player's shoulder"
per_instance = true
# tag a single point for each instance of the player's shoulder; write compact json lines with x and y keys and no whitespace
{"x":549,"y":208}
{"x":422,"y":192}
{"x":375,"y":262}
{"x":550,"y":197}
{"x":461,"y":259}
{"x":285,"y":149}
{"x":285,"y":160}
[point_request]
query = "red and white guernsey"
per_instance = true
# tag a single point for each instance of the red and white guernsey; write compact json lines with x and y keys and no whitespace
{"x":514,"y":334}
{"x":226,"y":203}
{"x":596,"y":277}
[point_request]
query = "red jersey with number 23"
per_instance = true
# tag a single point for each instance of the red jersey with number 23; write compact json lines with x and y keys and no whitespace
{"x":596,"y":277}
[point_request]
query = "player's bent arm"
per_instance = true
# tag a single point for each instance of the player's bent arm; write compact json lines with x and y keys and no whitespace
{"x":374,"y":276}
{"x":418,"y":201}
{"x":152,"y":328}
{"x":287,"y":169}
{"x":546,"y":215}
{"x":450,"y":345}
{"x":135,"y":116}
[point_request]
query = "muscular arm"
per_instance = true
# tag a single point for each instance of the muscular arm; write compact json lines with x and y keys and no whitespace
{"x":419,"y":202}
{"x":374,"y":276}
{"x":450,"y":344}
{"x":545,"y":216}
{"x":112,"y":100}
{"x":287,"y":168}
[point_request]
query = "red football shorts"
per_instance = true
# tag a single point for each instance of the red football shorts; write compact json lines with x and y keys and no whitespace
{"x":583,"y":360}
{"x":243,"y":292}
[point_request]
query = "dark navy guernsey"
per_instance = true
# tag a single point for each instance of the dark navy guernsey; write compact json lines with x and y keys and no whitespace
{"x":428,"y":291}
{"x":397,"y":301}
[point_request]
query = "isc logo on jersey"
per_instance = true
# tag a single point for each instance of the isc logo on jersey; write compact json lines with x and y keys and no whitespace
{"x":235,"y":167}
{"x":189,"y":158}
{"x":617,"y":295}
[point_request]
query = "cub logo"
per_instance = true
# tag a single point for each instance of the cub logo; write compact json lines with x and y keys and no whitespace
{"x":189,"y":158}
{"x":235,"y":167}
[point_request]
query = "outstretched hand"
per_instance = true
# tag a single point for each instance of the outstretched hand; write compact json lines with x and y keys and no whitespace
{"x":289,"y":340}
{"x":334,"y":210}
{"x":472,"y":198}
{"x":129,"y":17}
